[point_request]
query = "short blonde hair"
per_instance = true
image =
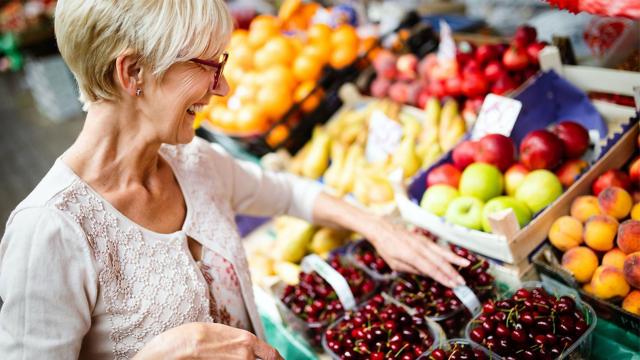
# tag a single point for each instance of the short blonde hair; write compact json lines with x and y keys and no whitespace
{"x":91,"y":34}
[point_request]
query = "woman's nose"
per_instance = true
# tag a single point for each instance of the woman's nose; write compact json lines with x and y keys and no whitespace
{"x":223,"y":87}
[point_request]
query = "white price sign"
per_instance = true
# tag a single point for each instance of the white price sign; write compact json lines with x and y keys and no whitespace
{"x":384,"y":137}
{"x":497,"y":116}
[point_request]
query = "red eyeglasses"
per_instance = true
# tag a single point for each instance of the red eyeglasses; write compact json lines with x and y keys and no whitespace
{"x":217,"y":65}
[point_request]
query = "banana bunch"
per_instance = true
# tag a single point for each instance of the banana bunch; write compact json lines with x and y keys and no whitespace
{"x":443,"y":127}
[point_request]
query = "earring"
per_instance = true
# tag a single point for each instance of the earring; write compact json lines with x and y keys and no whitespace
{"x":138,"y":92}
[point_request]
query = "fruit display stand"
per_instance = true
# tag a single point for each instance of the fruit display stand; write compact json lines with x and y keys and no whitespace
{"x":513,"y":246}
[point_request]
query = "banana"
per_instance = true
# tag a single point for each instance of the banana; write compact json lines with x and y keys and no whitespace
{"x":355,"y":154}
{"x":317,"y":160}
{"x":452,"y":126}
{"x":410,"y":125}
{"x":431,"y":123}
{"x":293,"y":239}
{"x":406,"y":158}
{"x":338,"y":157}
{"x":327,"y":239}
{"x":429,"y":153}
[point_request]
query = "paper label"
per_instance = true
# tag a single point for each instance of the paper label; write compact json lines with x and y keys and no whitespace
{"x":315,"y":263}
{"x":384,"y":137}
{"x":447,"y":47}
{"x":468,"y":298}
{"x":497,"y":116}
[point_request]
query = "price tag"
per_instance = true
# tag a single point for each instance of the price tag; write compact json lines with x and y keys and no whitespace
{"x":468,"y":298}
{"x":497,"y":116}
{"x":447,"y":47}
{"x":315,"y":263}
{"x":384,"y":137}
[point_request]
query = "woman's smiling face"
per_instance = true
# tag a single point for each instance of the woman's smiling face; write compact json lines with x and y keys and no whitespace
{"x":174,"y":99}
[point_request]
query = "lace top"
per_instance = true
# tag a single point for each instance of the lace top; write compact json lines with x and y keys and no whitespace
{"x":79,"y":279}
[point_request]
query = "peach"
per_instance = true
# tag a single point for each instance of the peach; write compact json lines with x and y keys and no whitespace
{"x":635,"y":212}
{"x":631,"y":302}
{"x":600,"y":232}
{"x":608,"y":282}
{"x":588,"y":288}
{"x":566,"y":233}
{"x":581,"y":262}
{"x":629,"y":236}
{"x":584,"y":207}
{"x":615,"y":201}
{"x":614,"y":257}
{"x":631,"y":269}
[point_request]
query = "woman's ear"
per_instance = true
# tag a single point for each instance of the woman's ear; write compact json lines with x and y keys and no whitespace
{"x":129,"y":73}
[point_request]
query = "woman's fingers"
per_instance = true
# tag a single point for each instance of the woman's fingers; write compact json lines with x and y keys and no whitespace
{"x":263,"y":351}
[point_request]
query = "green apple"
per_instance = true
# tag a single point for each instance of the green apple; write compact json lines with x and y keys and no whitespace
{"x":437,"y":198}
{"x":520,"y":209}
{"x":539,"y":189}
{"x":465,"y":211}
{"x":482,"y":181}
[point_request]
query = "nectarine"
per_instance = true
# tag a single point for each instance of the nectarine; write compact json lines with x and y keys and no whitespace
{"x":566,"y":233}
{"x":584,"y":207}
{"x":600,"y":232}
{"x":614,"y":257}
{"x":581,"y":262}
{"x":629,"y":236}
{"x":631,"y":302}
{"x":615,"y":201}
{"x":631,"y":269}
{"x":608,"y":282}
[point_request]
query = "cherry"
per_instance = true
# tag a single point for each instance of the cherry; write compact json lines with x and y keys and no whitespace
{"x":477,"y":335}
{"x":518,"y":336}
{"x":502,"y":331}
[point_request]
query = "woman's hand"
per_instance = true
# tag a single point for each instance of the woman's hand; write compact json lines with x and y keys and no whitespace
{"x":401,"y":249}
{"x":414,"y":253}
{"x":207,"y":341}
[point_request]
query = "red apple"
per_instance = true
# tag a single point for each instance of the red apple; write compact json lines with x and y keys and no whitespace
{"x":611,"y":178}
{"x":515,"y":59}
{"x":504,"y":84}
{"x":541,"y":149}
{"x":407,"y":67}
{"x":437,"y":88}
{"x":514,"y":177}
{"x":464,"y":154}
{"x":569,"y":171}
{"x":474,"y":84}
{"x":385,"y":64}
{"x":399,"y":92}
{"x":533,"y":50}
{"x":634,"y":172}
{"x":426,"y":66}
{"x":493,"y":71}
{"x":496,"y":149}
{"x":574,"y":137}
{"x":446,"y":174}
{"x":423,"y":96}
{"x":380,"y":87}
{"x":486,"y":53}
{"x":453,"y":85}
{"x":525,"y":35}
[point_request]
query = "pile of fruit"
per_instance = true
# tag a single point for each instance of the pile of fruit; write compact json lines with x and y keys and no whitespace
{"x":429,"y":298}
{"x":316,"y":303}
{"x":472,"y":187}
{"x":269,"y":70}
{"x":378,"y":331}
{"x":475,"y":72}
{"x":601,"y":238}
{"x":295,"y":238}
{"x":530,"y":325}
{"x":336,"y":152}
{"x":458,"y":349}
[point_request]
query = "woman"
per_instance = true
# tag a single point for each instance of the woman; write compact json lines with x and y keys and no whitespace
{"x":127,"y":248}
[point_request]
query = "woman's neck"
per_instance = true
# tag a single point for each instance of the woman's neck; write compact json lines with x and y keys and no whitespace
{"x":114,"y":149}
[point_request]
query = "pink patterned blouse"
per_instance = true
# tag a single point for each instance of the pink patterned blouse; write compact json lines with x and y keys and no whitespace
{"x":81,"y":280}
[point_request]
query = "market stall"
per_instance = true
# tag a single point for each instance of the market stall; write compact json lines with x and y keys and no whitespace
{"x":525,"y":166}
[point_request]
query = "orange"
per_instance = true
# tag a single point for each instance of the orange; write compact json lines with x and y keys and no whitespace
{"x":288,"y":8}
{"x":264,"y":22}
{"x":242,"y":55}
{"x":280,"y":50}
{"x":319,"y":33}
{"x":303,"y":90}
{"x":307,"y":68}
{"x":238,"y":37}
{"x":250,"y":119}
{"x":344,"y":35}
{"x":274,"y":100}
{"x":277,"y":135}
{"x":320,"y":50}
{"x":278,"y":75}
{"x":343,"y":57}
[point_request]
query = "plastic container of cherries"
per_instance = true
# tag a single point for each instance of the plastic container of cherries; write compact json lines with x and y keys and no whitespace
{"x":312,"y":305}
{"x":362,"y":254}
{"x":533,"y":324}
{"x":429,"y":298}
{"x":459,"y":349}
{"x":380,"y":329}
